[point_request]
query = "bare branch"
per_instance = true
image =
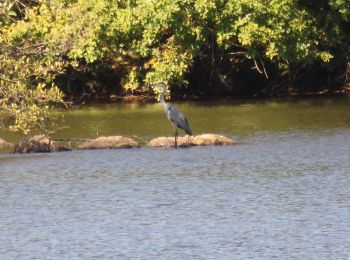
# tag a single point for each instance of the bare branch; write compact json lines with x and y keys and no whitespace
{"x":257,"y":67}
{"x":265,"y":72}
{"x":238,"y":53}
{"x":261,"y":71}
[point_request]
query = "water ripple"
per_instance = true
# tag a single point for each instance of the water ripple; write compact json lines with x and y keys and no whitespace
{"x":281,"y":195}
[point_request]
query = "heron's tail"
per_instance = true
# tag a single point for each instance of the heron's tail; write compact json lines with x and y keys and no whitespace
{"x":188,"y":131}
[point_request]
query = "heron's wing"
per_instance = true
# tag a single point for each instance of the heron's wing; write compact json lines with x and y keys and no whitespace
{"x":187,"y":121}
{"x":179,"y":119}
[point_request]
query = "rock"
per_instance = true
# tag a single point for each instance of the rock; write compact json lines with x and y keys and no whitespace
{"x":182,"y":141}
{"x":4,"y":144}
{"x":211,"y":139}
{"x":38,"y":144}
{"x":186,"y":141}
{"x":109,"y":142}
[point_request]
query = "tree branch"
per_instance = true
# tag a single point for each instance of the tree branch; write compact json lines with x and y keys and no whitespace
{"x":261,"y":71}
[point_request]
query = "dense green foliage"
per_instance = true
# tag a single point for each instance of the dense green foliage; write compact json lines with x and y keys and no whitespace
{"x":147,"y":41}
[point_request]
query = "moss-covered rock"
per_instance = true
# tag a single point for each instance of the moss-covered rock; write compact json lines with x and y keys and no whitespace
{"x":38,"y":144}
{"x":109,"y":142}
{"x":4,"y":144}
{"x":186,"y":141}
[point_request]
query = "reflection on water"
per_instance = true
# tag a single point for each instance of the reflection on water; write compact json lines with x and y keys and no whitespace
{"x":237,"y":118}
{"x":282,"y":192}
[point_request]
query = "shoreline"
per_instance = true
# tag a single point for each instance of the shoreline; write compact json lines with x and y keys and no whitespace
{"x":124,"y":103}
{"x":45,"y":144}
{"x":149,"y":98}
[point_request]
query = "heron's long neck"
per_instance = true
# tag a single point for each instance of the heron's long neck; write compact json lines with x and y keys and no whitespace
{"x":162,"y":96}
{"x":162,"y":100}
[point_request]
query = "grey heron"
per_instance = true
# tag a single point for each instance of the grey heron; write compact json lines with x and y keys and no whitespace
{"x":177,"y":119}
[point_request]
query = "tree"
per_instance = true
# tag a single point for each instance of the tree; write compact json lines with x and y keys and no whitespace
{"x":161,"y":40}
{"x":27,"y":70}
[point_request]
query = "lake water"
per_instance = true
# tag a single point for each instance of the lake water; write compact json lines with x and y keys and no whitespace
{"x":282,"y":192}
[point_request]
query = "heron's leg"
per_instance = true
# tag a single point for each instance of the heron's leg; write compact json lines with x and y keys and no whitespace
{"x":176,"y":135}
